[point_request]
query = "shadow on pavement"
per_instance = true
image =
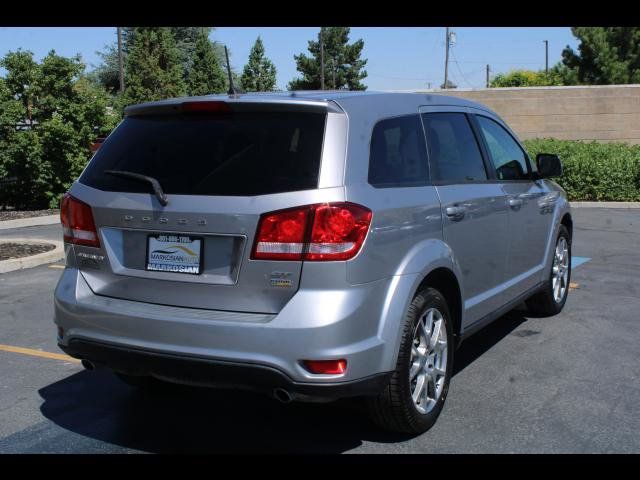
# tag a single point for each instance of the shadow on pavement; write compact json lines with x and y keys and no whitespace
{"x":477,"y":344}
{"x":180,"y":419}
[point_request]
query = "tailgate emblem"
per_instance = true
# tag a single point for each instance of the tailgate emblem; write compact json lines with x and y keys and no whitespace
{"x":279,"y":279}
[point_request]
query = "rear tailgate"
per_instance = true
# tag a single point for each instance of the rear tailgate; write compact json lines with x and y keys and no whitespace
{"x":220,"y":172}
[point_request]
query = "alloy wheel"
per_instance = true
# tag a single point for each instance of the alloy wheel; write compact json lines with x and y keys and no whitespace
{"x":428,"y":360}
{"x":560,"y":270}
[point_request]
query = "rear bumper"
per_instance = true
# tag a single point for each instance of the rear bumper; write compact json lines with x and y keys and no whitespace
{"x":317,"y":323}
{"x":216,"y":373}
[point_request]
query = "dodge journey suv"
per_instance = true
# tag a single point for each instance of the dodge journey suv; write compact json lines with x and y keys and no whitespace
{"x":309,"y":245}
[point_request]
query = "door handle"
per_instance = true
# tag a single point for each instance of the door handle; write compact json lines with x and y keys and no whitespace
{"x":455,"y":212}
{"x":516,"y":203}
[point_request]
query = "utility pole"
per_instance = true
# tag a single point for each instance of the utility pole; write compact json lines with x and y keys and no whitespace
{"x":120,"y":63}
{"x":333,"y":59}
{"x":546,"y":56}
{"x":321,"y":60}
{"x":487,"y":76}
{"x":446,"y":59}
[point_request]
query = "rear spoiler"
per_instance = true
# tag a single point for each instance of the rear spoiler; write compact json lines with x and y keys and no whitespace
{"x":195,"y":105}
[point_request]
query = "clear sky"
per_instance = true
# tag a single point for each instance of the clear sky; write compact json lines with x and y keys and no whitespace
{"x":399,"y":58}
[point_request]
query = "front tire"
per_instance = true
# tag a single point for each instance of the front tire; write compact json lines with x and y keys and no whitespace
{"x":416,"y":392}
{"x":551,"y":298}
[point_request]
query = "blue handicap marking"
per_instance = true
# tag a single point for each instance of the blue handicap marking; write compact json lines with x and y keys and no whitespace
{"x":577,"y":261}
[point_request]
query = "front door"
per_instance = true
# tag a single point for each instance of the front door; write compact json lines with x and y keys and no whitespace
{"x":530,"y":202}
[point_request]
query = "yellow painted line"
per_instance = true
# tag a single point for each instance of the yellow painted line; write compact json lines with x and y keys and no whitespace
{"x":38,"y":353}
{"x":573,"y":286}
{"x":55,"y":265}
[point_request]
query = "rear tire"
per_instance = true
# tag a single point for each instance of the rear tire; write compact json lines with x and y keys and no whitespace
{"x":427,"y":331}
{"x":551,"y":298}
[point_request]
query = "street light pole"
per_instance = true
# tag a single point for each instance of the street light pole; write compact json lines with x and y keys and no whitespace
{"x":446,"y":59}
{"x":546,"y":56}
{"x":334,"y":64}
{"x":120,"y":63}
{"x":321,"y":60}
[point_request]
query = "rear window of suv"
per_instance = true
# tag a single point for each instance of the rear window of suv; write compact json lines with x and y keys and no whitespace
{"x":233,"y":154}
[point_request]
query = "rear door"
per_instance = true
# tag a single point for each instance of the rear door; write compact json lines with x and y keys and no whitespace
{"x":474,"y":208}
{"x":530,"y":204}
{"x":220,"y":171}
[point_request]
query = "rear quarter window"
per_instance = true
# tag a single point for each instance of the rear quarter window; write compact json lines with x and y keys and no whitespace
{"x":397,"y":155}
{"x":236,"y":154}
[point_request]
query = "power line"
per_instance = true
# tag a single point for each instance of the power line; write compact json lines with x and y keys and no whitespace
{"x":455,"y":60}
{"x":515,"y":62}
{"x":369,"y":74}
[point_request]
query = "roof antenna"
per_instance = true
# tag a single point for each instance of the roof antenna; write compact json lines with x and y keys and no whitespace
{"x":232,"y":88}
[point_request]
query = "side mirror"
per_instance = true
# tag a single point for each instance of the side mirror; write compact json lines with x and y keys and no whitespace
{"x":549,"y":165}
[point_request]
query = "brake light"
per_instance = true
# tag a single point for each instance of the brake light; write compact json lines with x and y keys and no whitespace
{"x":322,"y":232}
{"x":326,"y":367}
{"x":281,"y":235}
{"x":206,"y":107}
{"x":78,"y":226}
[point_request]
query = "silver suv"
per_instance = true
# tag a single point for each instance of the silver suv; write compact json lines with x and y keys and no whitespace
{"x":310,"y":245}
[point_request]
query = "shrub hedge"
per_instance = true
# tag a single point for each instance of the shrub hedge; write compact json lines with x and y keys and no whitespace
{"x":594,"y":171}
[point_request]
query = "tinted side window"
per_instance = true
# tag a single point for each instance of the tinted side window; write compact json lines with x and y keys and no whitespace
{"x":398,"y":153}
{"x":508,"y":158}
{"x":454,"y":155}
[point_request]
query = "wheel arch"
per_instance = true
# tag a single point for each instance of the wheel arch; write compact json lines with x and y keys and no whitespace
{"x":445,"y":281}
{"x":567,"y":221}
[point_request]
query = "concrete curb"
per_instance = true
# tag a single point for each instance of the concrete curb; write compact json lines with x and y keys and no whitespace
{"x":33,"y":260}
{"x":605,"y":204}
{"x":29,"y":222}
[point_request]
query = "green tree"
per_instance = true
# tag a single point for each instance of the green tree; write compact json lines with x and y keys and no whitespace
{"x":67,"y":112}
{"x":343,"y":67}
{"x":205,"y":75}
{"x":153,"y":70}
{"x":107,"y":74}
{"x":187,"y":42}
{"x":259,"y":74}
{"x":54,"y":87}
{"x":22,"y":72}
{"x":606,"y":55}
{"x":526,"y":78}
{"x":12,"y":112}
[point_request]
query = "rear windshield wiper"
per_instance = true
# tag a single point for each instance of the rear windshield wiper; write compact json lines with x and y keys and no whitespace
{"x":157,"y":189}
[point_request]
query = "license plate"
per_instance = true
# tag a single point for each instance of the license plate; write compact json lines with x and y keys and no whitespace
{"x":174,"y":253}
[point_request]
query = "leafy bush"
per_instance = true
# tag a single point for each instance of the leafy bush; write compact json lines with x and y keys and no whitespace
{"x":526,"y":78}
{"x":594,"y":171}
{"x":49,"y":115}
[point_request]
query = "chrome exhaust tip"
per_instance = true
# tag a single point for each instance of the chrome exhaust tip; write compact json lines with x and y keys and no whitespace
{"x":282,"y":395}
{"x":88,"y":365}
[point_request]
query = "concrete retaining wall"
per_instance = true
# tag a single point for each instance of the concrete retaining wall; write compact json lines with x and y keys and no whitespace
{"x":604,"y":113}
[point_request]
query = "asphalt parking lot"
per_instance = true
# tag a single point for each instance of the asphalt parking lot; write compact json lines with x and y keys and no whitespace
{"x":565,"y":384}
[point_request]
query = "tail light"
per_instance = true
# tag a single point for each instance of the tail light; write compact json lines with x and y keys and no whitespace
{"x":322,"y":232}
{"x":78,"y":226}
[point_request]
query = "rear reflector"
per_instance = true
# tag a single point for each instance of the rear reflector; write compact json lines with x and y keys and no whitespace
{"x":321,"y":232}
{"x":78,"y":226}
{"x":206,"y":107}
{"x":326,"y":367}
